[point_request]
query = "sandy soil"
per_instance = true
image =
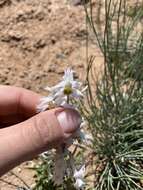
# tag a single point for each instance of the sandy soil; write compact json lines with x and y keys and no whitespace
{"x":38,"y":40}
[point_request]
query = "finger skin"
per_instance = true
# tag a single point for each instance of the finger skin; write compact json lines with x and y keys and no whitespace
{"x":15,"y":100}
{"x":24,"y":141}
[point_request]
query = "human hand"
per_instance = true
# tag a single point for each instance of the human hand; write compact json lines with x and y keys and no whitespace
{"x":24,"y":133}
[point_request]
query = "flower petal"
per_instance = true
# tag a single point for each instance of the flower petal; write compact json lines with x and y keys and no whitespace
{"x":83,"y":124}
{"x":68,"y":76}
{"x":76,"y":94}
{"x":60,"y":101}
{"x":80,"y":173}
{"x":76,"y":84}
{"x":44,"y":103}
{"x":79,"y":184}
{"x":84,"y":89}
{"x":56,"y":87}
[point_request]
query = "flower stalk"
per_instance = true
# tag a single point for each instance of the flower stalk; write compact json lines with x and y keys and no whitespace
{"x":67,"y":93}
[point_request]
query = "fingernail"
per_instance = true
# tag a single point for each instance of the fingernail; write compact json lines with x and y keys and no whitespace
{"x":69,"y":120}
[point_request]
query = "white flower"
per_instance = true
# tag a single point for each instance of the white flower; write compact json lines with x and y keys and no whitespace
{"x":79,"y":184}
{"x":68,"y":86}
{"x":61,"y":94}
{"x":45,"y":103}
{"x":84,"y":124}
{"x":89,"y":137}
{"x":82,"y":134}
{"x":65,"y":93}
{"x":80,"y":173}
{"x":79,"y":176}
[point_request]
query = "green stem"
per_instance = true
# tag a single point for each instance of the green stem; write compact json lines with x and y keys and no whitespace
{"x":68,"y":99}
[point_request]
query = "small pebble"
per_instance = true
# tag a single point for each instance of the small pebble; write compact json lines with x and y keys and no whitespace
{"x":19,"y":170}
{"x":78,"y":2}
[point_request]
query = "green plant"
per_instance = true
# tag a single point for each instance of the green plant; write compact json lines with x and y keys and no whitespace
{"x":115,"y":103}
{"x":44,"y":176}
{"x":114,"y":106}
{"x":132,"y":11}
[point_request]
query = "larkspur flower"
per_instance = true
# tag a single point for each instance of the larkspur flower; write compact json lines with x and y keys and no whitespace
{"x":61,"y":94}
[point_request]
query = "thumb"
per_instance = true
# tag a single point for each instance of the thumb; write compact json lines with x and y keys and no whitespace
{"x":47,"y":129}
{"x":25,"y":140}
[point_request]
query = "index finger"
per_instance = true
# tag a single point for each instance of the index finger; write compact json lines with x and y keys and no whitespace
{"x":14,"y":100}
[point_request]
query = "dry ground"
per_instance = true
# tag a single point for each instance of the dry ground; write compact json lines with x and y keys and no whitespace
{"x":38,"y":40}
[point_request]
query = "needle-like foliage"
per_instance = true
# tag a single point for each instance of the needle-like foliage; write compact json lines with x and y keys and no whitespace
{"x":115,"y":103}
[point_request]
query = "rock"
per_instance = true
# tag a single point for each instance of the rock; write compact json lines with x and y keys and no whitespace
{"x":40,"y":43}
{"x":52,"y":68}
{"x":75,"y":75}
{"x":79,"y":2}
{"x":60,"y":71}
{"x":4,"y":2}
{"x":15,"y":35}
{"x":53,"y":39}
{"x":19,"y":170}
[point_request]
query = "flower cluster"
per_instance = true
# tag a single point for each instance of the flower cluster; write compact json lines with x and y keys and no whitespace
{"x":79,"y":176}
{"x":65,"y":94}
